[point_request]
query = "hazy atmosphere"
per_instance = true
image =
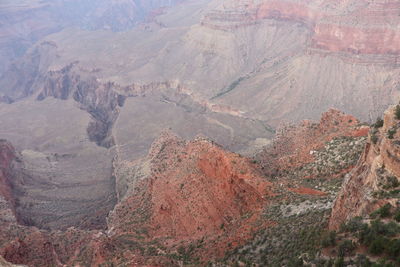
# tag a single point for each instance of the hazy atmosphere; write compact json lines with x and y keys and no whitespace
{"x":199,"y":133}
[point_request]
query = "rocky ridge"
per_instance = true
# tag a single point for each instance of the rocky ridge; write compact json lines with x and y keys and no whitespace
{"x":189,"y":202}
{"x":296,"y":145}
{"x":368,"y":186}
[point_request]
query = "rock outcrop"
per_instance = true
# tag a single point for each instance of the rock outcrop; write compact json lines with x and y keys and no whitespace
{"x":373,"y":182}
{"x":195,"y":191}
{"x":295,"y":145}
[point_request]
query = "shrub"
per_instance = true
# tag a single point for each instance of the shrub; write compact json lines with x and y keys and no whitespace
{"x":391,"y":132}
{"x":377,"y":246}
{"x":392,"y":182}
{"x":363,"y":261}
{"x":340,"y":262}
{"x":397,"y":112}
{"x":397,"y":215}
{"x":385,"y":210}
{"x":382,"y":212}
{"x":374,"y":138}
{"x":377,"y":230}
{"x":354,"y":225}
{"x":328,"y":239}
{"x":346,"y":247}
{"x":393,"y":248}
{"x":378,"y":123}
{"x":296,"y":262}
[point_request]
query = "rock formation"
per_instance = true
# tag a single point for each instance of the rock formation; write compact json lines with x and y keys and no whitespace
{"x":195,"y":191}
{"x":295,"y":145}
{"x":369,"y":185}
{"x":190,"y":193}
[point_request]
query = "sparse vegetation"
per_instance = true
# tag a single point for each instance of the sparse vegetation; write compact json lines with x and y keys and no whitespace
{"x":391,"y":132}
{"x":378,"y":123}
{"x":382,"y":212}
{"x":397,"y":112}
{"x":374,"y":138}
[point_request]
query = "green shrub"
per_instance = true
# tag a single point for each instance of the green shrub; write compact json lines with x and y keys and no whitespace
{"x":391,"y":132}
{"x":397,"y":215}
{"x":362,"y":261}
{"x":392,"y":182}
{"x":382,"y":212}
{"x":376,"y":230}
{"x":397,"y":112}
{"x":374,"y":138}
{"x":328,"y":239}
{"x":295,"y":262}
{"x":340,"y":262}
{"x":377,"y":246}
{"x":378,"y":123}
{"x":354,"y":225}
{"x":346,"y":247}
{"x":393,"y":249}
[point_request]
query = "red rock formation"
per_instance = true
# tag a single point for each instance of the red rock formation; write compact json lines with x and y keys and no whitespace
{"x":293,"y":146}
{"x":358,"y":27}
{"x":290,"y":11}
{"x":196,"y":190}
{"x":370,"y":29}
{"x":380,"y":159}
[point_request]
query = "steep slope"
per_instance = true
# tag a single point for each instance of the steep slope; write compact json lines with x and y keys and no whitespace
{"x":373,"y":182}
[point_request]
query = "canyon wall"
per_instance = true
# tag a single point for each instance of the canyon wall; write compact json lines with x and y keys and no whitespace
{"x":364,"y":189}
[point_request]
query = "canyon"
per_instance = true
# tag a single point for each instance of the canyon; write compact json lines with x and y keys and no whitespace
{"x":186,"y":201}
{"x":183,"y":132}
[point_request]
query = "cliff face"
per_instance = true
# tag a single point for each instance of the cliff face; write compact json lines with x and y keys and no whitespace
{"x":370,"y":29}
{"x":369,"y":184}
{"x":356,"y":27}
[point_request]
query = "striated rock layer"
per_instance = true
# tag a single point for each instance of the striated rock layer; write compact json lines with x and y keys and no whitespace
{"x":362,"y":191}
{"x":290,"y":60}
